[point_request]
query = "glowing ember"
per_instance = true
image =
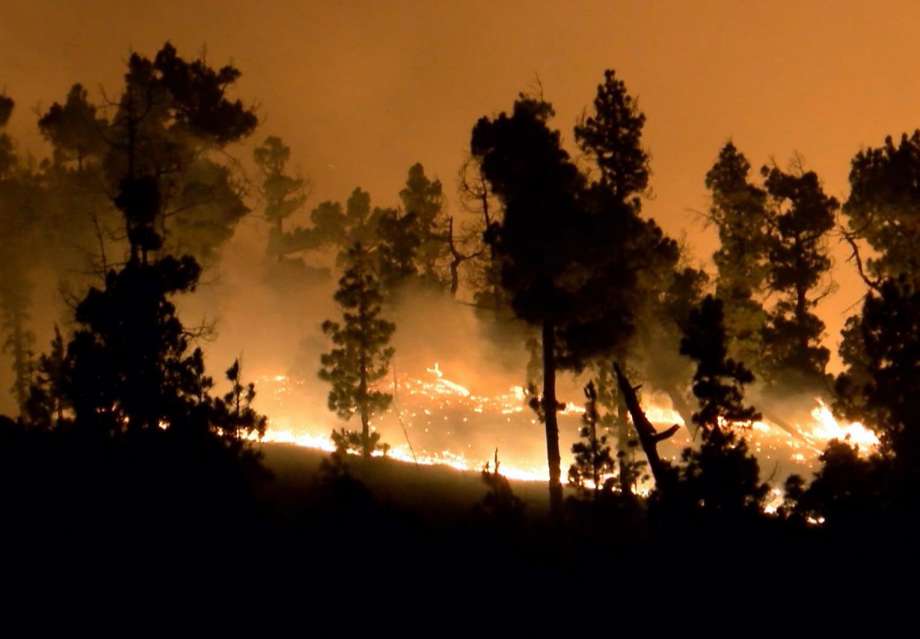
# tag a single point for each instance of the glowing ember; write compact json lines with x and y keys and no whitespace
{"x":437,"y":421}
{"x":446,"y":384}
{"x":774,"y":500}
{"x":663,"y":415}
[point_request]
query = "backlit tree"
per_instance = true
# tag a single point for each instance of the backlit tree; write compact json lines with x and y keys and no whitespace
{"x":361,"y":353}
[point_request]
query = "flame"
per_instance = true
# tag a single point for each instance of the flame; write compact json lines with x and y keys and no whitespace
{"x":445,"y":385}
{"x":434,"y":408}
{"x":305,"y":440}
{"x":827,"y":428}
{"x":774,"y":500}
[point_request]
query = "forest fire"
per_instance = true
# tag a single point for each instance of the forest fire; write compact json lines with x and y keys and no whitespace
{"x":594,"y":327}
{"x":448,"y":424}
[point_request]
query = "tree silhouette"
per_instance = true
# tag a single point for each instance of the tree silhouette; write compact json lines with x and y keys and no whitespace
{"x":532,"y":174}
{"x":129,"y":366}
{"x":491,"y":302}
{"x":739,"y":212}
{"x":569,"y":250}
{"x":630,"y":470}
{"x":423,"y":202}
{"x":721,"y":476}
{"x":7,"y":154}
{"x":47,"y":401}
{"x":672,"y":289}
{"x":392,"y":238}
{"x":171,"y":117}
{"x":233,"y":413}
{"x":83,"y":230}
{"x":847,"y":494}
{"x":19,"y":342}
{"x":593,"y":461}
{"x":649,"y":437}
{"x":74,"y":129}
{"x":457,"y":256}
{"x":361,"y":354}
{"x":884,"y":390}
{"x":499,"y":504}
{"x":399,"y":242}
{"x":282,"y":193}
{"x":884,"y":205}
{"x":128,"y":361}
{"x":718,"y":382}
{"x":20,"y":229}
{"x":800,"y":219}
{"x":612,"y":136}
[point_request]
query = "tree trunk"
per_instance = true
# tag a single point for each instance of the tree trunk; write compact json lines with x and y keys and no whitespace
{"x":365,"y":434}
{"x":550,"y":407}
{"x":365,"y":418}
{"x":279,"y":229}
{"x":595,"y":468}
{"x":648,"y":436}
{"x":362,"y":383}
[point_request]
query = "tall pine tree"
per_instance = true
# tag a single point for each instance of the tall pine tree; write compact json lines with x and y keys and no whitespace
{"x":738,"y":210}
{"x":361,"y":353}
{"x":721,"y":476}
{"x":801,"y":217}
{"x":569,"y":250}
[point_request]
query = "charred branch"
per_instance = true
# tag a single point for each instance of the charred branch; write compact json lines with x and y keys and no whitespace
{"x":648,"y":436}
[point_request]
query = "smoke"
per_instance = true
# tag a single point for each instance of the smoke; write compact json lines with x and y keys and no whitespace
{"x":456,"y":376}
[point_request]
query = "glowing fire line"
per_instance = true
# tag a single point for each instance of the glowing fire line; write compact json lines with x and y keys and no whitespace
{"x":765,"y":439}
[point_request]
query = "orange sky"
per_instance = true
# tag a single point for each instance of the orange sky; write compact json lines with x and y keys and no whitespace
{"x":363,"y":89}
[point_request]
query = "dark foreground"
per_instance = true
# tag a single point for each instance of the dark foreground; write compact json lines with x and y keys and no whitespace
{"x":147,"y":514}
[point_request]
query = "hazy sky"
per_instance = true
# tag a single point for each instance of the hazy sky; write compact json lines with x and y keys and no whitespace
{"x":361,"y":90}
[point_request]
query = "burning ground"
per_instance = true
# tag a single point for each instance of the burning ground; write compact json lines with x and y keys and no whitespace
{"x":436,"y":419}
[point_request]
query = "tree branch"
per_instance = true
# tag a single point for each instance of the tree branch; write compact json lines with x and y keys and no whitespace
{"x":856,"y":257}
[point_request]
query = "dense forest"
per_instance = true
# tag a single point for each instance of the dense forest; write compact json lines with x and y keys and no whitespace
{"x":120,"y":438}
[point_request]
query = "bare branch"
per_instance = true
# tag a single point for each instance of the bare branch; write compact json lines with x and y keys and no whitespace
{"x":857,"y":258}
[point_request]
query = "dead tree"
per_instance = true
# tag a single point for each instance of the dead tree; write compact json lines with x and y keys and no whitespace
{"x":456,"y":258}
{"x":648,"y":436}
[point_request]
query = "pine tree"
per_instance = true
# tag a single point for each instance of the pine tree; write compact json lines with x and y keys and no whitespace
{"x":130,"y":366}
{"x":721,"y":475}
{"x":883,"y":209}
{"x":74,"y":129}
{"x":233,"y":413}
{"x":398,"y":243}
{"x":20,"y":228}
{"x":884,"y":206}
{"x":527,"y":168}
{"x":570,"y":250}
{"x":719,"y":381}
{"x":48,"y":402}
{"x":884,"y":390}
{"x":593,"y":461}
{"x":361,"y":354}
{"x":739,"y":212}
{"x":423,"y":202}
{"x":282,"y":193}
{"x":170,"y":122}
{"x":612,"y":136}
{"x":801,"y":217}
